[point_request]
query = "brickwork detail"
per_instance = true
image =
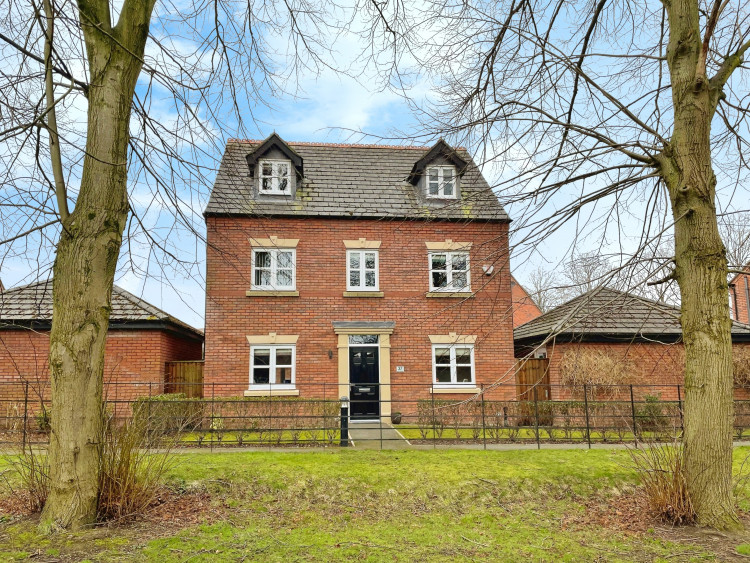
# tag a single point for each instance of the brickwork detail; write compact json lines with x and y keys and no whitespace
{"x":321,"y":280}
{"x":133,"y":360}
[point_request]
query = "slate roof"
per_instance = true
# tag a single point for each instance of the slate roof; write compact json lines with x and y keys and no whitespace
{"x":33,"y":303}
{"x":361,"y":181}
{"x":608,"y":312}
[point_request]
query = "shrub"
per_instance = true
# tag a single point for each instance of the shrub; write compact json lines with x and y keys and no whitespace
{"x":130,"y":476}
{"x":163,"y":415}
{"x":601,"y":371}
{"x":650,"y":416}
{"x":661,"y":469}
{"x":32,"y":469}
{"x":44,"y":420}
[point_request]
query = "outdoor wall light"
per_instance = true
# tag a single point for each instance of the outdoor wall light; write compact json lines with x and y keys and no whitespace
{"x":330,"y":354}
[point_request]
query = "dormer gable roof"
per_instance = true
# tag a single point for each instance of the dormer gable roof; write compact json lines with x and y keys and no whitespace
{"x":441,"y":149}
{"x":273,"y":141}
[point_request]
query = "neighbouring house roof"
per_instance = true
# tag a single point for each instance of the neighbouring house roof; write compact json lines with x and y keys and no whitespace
{"x":350,"y":181}
{"x":32,"y":305}
{"x":605,"y":313}
{"x":524,"y":307}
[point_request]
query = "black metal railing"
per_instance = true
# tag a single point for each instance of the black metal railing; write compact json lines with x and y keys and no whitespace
{"x":423,"y":415}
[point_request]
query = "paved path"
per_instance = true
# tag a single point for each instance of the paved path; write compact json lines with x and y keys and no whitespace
{"x":376,"y":436}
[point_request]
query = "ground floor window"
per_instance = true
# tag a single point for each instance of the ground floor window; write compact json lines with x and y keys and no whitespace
{"x":272,"y":365}
{"x":453,"y":365}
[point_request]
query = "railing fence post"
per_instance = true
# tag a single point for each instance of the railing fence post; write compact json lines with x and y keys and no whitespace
{"x":211,"y":422}
{"x":380,"y":415}
{"x":536,"y":419}
{"x":484,"y":426}
{"x":586,"y":410}
{"x":679,"y":407}
{"x":632,"y":412}
{"x":344,"y":426}
{"x":434,"y":421}
{"x":148,"y":414}
{"x":25,"y":414}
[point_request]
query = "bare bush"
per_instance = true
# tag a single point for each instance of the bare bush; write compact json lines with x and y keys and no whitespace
{"x":32,"y":471}
{"x":661,"y":469}
{"x":600,"y":371}
{"x":131,"y":475}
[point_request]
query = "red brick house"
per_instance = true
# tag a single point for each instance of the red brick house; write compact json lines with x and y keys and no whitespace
{"x":524,"y":307}
{"x":378,"y":273}
{"x":646,"y":333}
{"x":141,"y":339}
{"x":739,"y":296}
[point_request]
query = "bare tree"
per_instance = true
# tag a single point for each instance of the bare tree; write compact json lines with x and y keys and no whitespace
{"x":110,"y":115}
{"x":544,"y":288}
{"x":614,"y":117}
{"x":735,"y":231}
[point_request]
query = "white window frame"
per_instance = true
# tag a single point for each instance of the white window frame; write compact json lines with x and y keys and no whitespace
{"x":453,"y":382}
{"x":275,"y":176}
{"x":274,"y":286}
{"x":272,"y":366}
{"x":441,"y":170}
{"x":449,"y":254}
{"x":362,"y":270}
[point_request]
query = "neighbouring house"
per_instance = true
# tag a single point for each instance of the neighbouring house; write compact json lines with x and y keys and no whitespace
{"x":739,"y":296}
{"x":524,"y":307}
{"x":141,"y":340}
{"x":370,"y":272}
{"x":638,"y":338}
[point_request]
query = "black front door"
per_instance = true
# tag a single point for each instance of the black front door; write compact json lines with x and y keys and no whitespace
{"x":364,"y":378}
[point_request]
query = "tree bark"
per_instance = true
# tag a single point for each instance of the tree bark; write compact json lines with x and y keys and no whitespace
{"x":85,"y":264}
{"x":701,"y":272}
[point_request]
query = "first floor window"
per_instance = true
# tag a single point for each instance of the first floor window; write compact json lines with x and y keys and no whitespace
{"x":362,"y":270}
{"x":274,"y":177}
{"x":272,"y":365}
{"x":449,"y":271}
{"x":273,"y":268}
{"x":453,"y":364}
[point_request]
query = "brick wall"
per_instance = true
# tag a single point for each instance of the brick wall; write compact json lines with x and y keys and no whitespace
{"x":133,"y":359}
{"x":739,"y":291}
{"x":321,"y":281}
{"x":657,"y":365}
{"x":524,"y":308}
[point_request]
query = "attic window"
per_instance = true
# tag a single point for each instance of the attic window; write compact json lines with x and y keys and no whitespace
{"x":441,"y":182}
{"x":274,"y":177}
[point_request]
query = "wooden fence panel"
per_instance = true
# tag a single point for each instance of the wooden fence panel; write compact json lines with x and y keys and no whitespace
{"x":531,"y":374}
{"x":184,"y":377}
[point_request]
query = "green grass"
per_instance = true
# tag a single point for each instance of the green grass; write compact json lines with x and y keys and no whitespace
{"x":383,"y":506}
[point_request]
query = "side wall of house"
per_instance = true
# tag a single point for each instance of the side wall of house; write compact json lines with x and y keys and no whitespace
{"x":133,"y":364}
{"x":321,"y":281}
{"x":740,"y":293}
{"x":524,"y":308}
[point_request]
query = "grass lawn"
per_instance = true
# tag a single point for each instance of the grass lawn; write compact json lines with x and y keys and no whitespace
{"x":573,"y":505}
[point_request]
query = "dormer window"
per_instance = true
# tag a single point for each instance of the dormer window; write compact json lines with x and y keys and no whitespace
{"x":274,"y":177}
{"x":441,"y":182}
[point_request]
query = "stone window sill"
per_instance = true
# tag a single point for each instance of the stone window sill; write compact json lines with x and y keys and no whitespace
{"x":450,"y":294}
{"x":271,"y":293}
{"x":456,"y":390}
{"x":363,"y":294}
{"x":272,"y":393}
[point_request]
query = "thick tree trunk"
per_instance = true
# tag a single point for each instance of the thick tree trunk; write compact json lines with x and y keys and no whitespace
{"x":701,"y":272}
{"x":83,"y":276}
